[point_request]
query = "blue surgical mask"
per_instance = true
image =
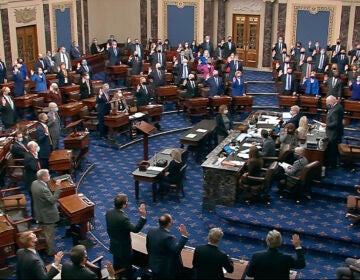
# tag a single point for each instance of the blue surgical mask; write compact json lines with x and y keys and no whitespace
{"x":328,"y":106}
{"x":21,"y":139}
{"x":40,"y":72}
{"x":358,"y":79}
{"x":87,"y":77}
{"x":56,"y":109}
{"x":38,"y":149}
{"x":84,"y":63}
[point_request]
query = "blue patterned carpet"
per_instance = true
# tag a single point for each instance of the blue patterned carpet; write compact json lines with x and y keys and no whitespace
{"x":321,"y":222}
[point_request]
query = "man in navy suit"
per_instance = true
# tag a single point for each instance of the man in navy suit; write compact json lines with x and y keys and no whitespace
{"x":29,"y":264}
{"x":209,"y":261}
{"x":103,"y":107}
{"x":76,"y":269}
{"x":157,"y":76}
{"x":75,"y":51}
{"x":272,"y":264}
{"x":135,"y":63}
{"x":142,"y":93}
{"x":342,"y":61}
{"x":44,"y":140}
{"x":278,"y":48}
{"x":138,"y":48}
{"x":158,"y":57}
{"x":84,"y":68}
{"x":321,"y":60}
{"x":114,"y":53}
{"x":216,"y":84}
{"x":237,"y":85}
{"x":164,"y":253}
{"x":208,"y":45}
{"x":288,"y":81}
{"x":229,"y":47}
{"x":335,"y":49}
{"x":118,"y":228}
{"x":234,"y":65}
{"x":41,"y":63}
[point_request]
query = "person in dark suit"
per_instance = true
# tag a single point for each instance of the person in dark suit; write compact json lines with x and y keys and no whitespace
{"x":63,"y":76}
{"x":75,"y":51}
{"x":224,"y":124}
{"x":41,"y":63}
{"x":54,"y":125}
{"x":86,"y":88}
{"x":209,"y":260}
{"x":7,"y":108}
{"x":31,"y":166}
{"x":83,"y":67}
{"x":164,"y":253}
{"x":321,"y":60}
{"x":207,"y":45}
{"x":142,"y":93}
{"x":172,"y":175}
{"x":234,"y":65}
{"x":300,"y":57}
{"x":95,"y":48}
{"x":278,"y":48}
{"x":216,"y":84}
{"x":158,"y":57}
{"x":342,"y":61}
{"x":118,"y":228}
{"x":138,"y":48}
{"x":219,"y":55}
{"x":18,"y":148}
{"x":29,"y":264}
{"x":334,"y":129}
{"x":114,"y":53}
{"x":354,"y":54}
{"x":76,"y":269}
{"x":45,"y":207}
{"x":3,"y":77}
{"x":238,"y":85}
{"x":307,"y":68}
{"x":272,"y":264}
{"x":49,"y":60}
{"x":335,"y":49}
{"x":344,"y":272}
{"x":157,"y":76}
{"x":267,"y":144}
{"x":284,"y":65}
{"x":191,"y":86}
{"x":135,"y":63}
{"x":353,"y":74}
{"x":103,"y":107}
{"x":44,"y":140}
{"x":229,"y":47}
{"x":288,"y":81}
{"x":334,"y":85}
{"x":182,"y":69}
{"x":18,"y":79}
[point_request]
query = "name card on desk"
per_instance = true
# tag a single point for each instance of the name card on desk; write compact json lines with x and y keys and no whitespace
{"x":191,"y":135}
{"x":201,"y":130}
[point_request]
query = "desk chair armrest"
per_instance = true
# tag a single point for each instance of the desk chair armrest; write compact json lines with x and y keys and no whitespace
{"x":16,"y":166}
{"x":259,"y":179}
{"x":270,"y":158}
{"x":90,"y":117}
{"x":9,"y":190}
{"x":292,"y":177}
{"x":355,"y":147}
{"x":18,"y":222}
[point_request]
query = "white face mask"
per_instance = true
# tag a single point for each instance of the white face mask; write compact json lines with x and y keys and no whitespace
{"x":226,"y":111}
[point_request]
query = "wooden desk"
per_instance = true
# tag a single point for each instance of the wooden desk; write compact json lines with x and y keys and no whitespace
{"x":117,"y":72}
{"x":196,"y":106}
{"x":167,"y":93}
{"x":152,"y":178}
{"x":7,"y":240}
{"x":138,"y":242}
{"x":61,"y":161}
{"x":79,"y":210}
{"x":152,"y":110}
{"x":117,"y":121}
{"x":67,"y":187}
{"x":89,"y":102}
{"x":70,"y":109}
{"x":25,"y":101}
{"x":200,"y":130}
{"x":80,"y":140}
{"x":216,"y":101}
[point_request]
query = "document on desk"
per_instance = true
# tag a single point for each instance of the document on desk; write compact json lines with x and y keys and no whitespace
{"x":247,"y":145}
{"x":191,"y":135}
{"x":237,"y":163}
{"x":286,"y":115}
{"x":245,"y":156}
{"x":245,"y":151}
{"x":269,"y":117}
{"x":167,"y":151}
{"x":201,"y":130}
{"x":156,"y":168}
{"x":285,"y":165}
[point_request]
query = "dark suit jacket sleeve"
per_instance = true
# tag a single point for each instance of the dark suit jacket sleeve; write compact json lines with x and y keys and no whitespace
{"x":38,"y":270}
{"x":173,"y":246}
{"x":336,"y":118}
{"x":299,"y":262}
{"x":134,"y":228}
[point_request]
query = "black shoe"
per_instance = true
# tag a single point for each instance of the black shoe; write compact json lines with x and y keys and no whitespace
{"x":158,"y":126}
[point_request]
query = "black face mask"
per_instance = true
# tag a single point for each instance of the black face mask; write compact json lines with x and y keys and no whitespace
{"x":302,"y":52}
{"x":159,"y":51}
{"x":136,"y":55}
{"x":136,"y":43}
{"x":284,"y":51}
{"x":229,"y":40}
{"x":160,"y":43}
{"x":312,"y":77}
{"x":338,"y":43}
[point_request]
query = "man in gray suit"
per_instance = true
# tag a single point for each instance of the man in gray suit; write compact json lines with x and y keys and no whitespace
{"x":53,"y":124}
{"x":45,"y":209}
{"x":62,"y":56}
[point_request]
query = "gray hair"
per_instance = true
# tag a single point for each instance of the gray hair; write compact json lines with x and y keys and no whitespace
{"x":215,"y":235}
{"x":32,"y":144}
{"x":41,"y":173}
{"x":52,"y":105}
{"x":273,"y":239}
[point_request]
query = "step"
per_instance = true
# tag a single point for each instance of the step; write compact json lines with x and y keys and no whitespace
{"x":257,"y":233}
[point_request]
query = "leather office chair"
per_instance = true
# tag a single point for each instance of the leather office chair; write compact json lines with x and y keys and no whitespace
{"x":350,"y":150}
{"x":299,"y":186}
{"x":24,"y":224}
{"x":353,"y":207}
{"x":179,"y":186}
{"x":283,"y":155}
{"x":257,"y":188}
{"x":90,"y":120}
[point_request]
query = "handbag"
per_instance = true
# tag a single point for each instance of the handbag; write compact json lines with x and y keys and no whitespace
{"x":161,"y":162}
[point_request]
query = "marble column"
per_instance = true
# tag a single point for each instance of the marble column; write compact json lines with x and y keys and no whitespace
{"x":356,"y":32}
{"x":154,"y":19}
{"x":6,"y":38}
{"x":221,"y":21}
{"x":47,"y":26}
{"x":281,"y":19}
{"x":143,"y":22}
{"x":267,"y":33}
{"x":79,"y":22}
{"x":86,"y":26}
{"x":208,"y":19}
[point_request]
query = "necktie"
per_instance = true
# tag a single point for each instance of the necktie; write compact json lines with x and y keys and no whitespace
{"x":192,"y":84}
{"x":236,"y":65}
{"x":280,"y":46}
{"x":38,"y":164}
{"x":337,"y":48}
{"x":1,"y":66}
{"x":138,"y":50}
{"x":115,"y":51}
{"x":42,"y":64}
{"x":239,"y":80}
{"x":220,"y":52}
{"x":86,"y":68}
{"x":342,"y":57}
{"x":216,"y":81}
{"x":145,"y":89}
{"x":308,"y":70}
{"x":321,"y":61}
{"x":159,"y":58}
{"x":288,"y":82}
{"x":185,"y":72}
{"x":9,"y":100}
{"x":358,"y":53}
{"x":334,"y":82}
{"x":159,"y":74}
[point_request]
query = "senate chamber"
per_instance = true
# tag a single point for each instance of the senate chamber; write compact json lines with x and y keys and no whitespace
{"x":198,"y":139}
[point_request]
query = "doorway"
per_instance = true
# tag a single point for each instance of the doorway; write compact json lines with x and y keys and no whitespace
{"x":246,"y":29}
{"x":27,"y":43}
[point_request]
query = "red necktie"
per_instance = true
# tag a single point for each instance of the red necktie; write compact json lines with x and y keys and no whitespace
{"x":38,"y":164}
